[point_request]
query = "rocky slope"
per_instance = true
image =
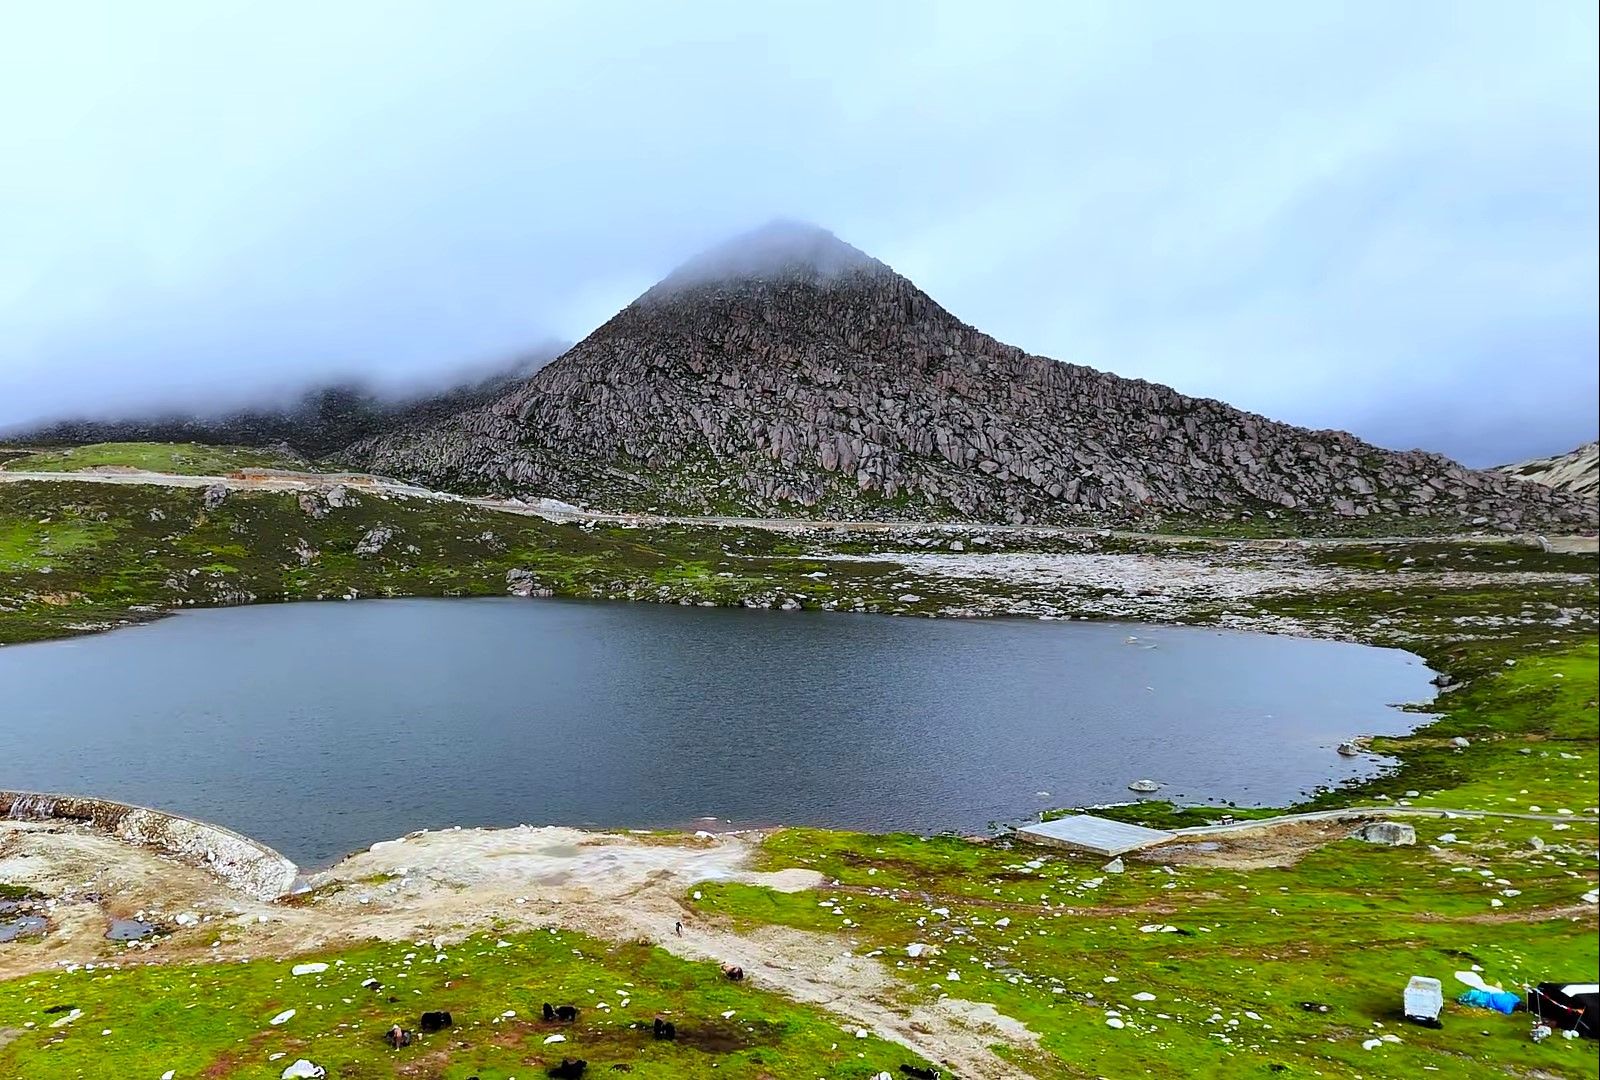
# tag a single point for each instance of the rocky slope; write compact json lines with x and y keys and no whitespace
{"x":1577,"y":471}
{"x":789,"y":373}
{"x":320,"y":420}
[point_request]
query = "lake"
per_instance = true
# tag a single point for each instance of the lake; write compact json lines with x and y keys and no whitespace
{"x":320,"y":728}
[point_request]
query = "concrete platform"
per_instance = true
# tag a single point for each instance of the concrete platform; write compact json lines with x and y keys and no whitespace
{"x":1101,"y":836}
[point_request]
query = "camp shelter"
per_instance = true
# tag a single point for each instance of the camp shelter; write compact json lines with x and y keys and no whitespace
{"x":1569,"y":1006}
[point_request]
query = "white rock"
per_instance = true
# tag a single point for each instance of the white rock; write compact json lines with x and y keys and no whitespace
{"x":169,"y":1074}
{"x":548,"y":1039}
{"x":1115,"y":866}
{"x":1372,"y":1044}
{"x":308,"y":969}
{"x":862,"y":1033}
{"x":1144,"y":785}
{"x":1113,"y":1022}
{"x":304,"y":1070}
{"x":1144,"y":995}
{"x":282,"y":1018}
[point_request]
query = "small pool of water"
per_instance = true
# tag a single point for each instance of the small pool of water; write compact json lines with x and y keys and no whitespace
{"x":22,"y":926}
{"x":129,"y":930}
{"x":321,"y":728}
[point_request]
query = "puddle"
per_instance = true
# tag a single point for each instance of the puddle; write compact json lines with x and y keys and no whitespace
{"x":22,"y":926}
{"x":129,"y":930}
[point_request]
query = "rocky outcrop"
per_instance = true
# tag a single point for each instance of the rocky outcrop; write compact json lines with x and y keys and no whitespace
{"x":1577,"y":471}
{"x":242,"y":863}
{"x":791,"y":374}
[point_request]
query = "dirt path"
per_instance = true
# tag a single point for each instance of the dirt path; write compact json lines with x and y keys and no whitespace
{"x":553,"y":510}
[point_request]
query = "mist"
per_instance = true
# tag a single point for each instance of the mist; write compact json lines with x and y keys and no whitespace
{"x":1376,"y":219}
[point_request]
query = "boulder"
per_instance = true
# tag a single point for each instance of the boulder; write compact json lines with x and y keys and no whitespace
{"x":1388,"y":833}
{"x":374,"y":540}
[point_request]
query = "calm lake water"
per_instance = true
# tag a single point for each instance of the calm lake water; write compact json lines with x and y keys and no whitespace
{"x":321,"y":728}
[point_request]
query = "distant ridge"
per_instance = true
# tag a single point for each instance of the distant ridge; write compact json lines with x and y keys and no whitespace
{"x":786,"y":372}
{"x":319,"y":421}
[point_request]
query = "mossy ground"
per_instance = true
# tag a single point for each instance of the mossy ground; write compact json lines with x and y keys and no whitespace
{"x":187,"y":459}
{"x":77,"y":557}
{"x":213,"y":1020}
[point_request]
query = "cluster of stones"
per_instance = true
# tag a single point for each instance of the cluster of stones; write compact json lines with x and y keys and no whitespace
{"x":853,"y":393}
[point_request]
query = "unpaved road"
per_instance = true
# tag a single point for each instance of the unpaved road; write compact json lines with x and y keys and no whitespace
{"x":553,"y":510}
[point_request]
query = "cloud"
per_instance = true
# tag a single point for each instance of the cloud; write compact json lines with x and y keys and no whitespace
{"x":1365,"y":217}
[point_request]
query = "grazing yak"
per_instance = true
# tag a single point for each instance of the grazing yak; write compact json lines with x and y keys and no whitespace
{"x":917,"y":1072}
{"x":569,"y":1069}
{"x":397,"y":1037}
{"x":734,"y":972}
{"x":435,"y":1021}
{"x":665,"y":1030}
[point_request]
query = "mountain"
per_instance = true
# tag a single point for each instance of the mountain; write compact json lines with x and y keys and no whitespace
{"x":1577,"y":471}
{"x":319,"y":421}
{"x":787,"y":372}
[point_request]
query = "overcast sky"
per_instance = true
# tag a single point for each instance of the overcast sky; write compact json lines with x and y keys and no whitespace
{"x":1379,"y":217}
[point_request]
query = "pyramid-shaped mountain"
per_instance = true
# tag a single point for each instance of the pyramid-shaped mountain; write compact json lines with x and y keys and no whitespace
{"x":787,"y":373}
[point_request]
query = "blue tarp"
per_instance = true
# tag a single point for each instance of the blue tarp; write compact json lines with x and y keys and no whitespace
{"x":1498,"y":1000}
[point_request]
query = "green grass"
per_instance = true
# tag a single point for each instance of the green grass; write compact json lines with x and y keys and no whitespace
{"x":189,"y":459}
{"x":213,"y":1019}
{"x":1344,"y":924}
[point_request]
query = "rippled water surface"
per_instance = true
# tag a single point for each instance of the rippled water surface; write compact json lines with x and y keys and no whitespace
{"x":320,"y":728}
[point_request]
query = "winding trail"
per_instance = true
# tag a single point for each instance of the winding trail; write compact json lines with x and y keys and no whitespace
{"x":556,"y":511}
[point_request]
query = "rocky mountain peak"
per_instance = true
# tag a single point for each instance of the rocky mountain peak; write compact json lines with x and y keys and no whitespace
{"x":788,"y":373}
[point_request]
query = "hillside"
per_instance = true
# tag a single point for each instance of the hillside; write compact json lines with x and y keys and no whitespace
{"x":318,"y":421}
{"x":789,"y":373}
{"x":1577,"y":471}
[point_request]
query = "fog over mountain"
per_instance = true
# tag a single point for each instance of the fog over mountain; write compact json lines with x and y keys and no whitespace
{"x":1364,"y":217}
{"x":312,"y":420}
